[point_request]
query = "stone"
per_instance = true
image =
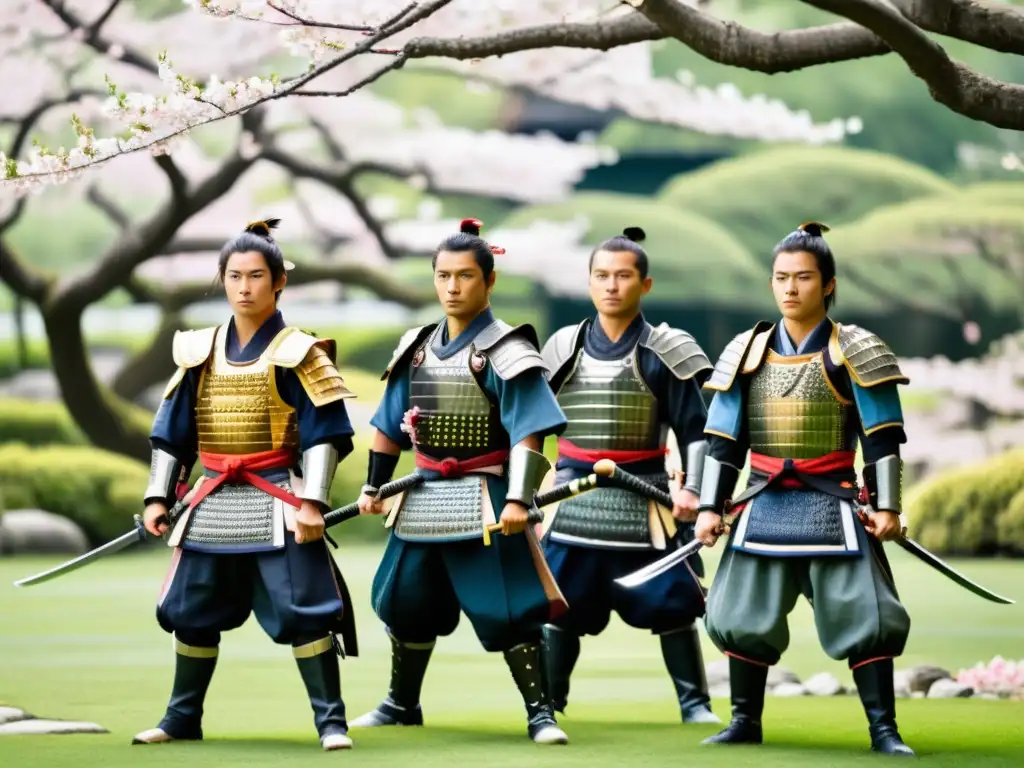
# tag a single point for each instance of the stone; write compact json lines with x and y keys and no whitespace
{"x":823,"y":684}
{"x":788,"y":689}
{"x":37,"y":726}
{"x":949,"y":689}
{"x":13,"y":714}
{"x":34,"y":531}
{"x":778,"y":675}
{"x":922,"y":677}
{"x":901,"y":683}
{"x":717,"y":672}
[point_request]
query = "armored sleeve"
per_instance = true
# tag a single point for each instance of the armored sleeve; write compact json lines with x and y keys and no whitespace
{"x":174,"y":438}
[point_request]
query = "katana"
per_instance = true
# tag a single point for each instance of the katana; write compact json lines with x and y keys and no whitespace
{"x":660,"y":566}
{"x":139,"y":533}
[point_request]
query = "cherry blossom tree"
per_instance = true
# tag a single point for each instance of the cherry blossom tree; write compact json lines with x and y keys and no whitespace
{"x":590,"y":56}
{"x":320,"y":147}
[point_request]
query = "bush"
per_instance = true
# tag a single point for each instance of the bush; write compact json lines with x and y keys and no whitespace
{"x":762,"y":196}
{"x":38,"y":423}
{"x":98,"y":490}
{"x":936,"y":253}
{"x":977,"y":509}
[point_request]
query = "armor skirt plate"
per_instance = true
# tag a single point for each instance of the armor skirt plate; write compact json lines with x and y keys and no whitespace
{"x":797,"y":522}
{"x":236,"y":518}
{"x":442,"y":510}
{"x":608,"y":518}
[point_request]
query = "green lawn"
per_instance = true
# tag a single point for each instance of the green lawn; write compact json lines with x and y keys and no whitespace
{"x":87,"y":646}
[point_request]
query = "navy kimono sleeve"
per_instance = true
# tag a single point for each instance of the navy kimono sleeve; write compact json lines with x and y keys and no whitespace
{"x":680,"y":403}
{"x":174,"y":426}
{"x":527,"y":405}
{"x":393,"y":405}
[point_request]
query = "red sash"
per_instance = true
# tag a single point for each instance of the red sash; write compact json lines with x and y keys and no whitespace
{"x":236,"y":468}
{"x":456,"y":468}
{"x":831,"y":463}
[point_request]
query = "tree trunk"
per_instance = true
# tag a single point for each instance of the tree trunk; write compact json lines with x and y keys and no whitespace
{"x":19,"y":332}
{"x":152,"y":365}
{"x":108,"y":421}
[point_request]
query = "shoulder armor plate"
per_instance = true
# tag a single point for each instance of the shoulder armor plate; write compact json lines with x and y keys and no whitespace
{"x":678,"y":350}
{"x":312,"y":359}
{"x":409,"y":341}
{"x":510,"y":349}
{"x":192,"y":348}
{"x":561,"y":348}
{"x":290,"y":347}
{"x":734,"y":354}
{"x":189,"y":349}
{"x":868,"y":359}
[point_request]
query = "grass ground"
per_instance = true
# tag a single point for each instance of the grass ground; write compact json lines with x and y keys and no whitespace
{"x":86,"y":646}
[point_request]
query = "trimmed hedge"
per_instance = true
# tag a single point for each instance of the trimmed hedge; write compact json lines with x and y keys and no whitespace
{"x":761,"y":196}
{"x":38,"y":423}
{"x":101,"y":491}
{"x":98,"y":490}
{"x":922,"y":252}
{"x":977,"y":509}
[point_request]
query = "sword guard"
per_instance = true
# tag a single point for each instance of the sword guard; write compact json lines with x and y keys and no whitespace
{"x":140,"y":527}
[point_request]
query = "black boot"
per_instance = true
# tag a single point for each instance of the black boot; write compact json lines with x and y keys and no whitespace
{"x":318,"y":665}
{"x":875,"y":685}
{"x":525,"y":664}
{"x":685,"y":664}
{"x":559,"y":651}
{"x":746,"y":683}
{"x":193,"y":670}
{"x":402,"y":705}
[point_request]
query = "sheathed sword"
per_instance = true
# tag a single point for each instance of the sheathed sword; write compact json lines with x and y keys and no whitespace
{"x":660,"y":566}
{"x":139,"y":532}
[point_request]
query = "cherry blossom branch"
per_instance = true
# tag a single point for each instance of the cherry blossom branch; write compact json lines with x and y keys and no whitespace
{"x":96,"y":26}
{"x":188,"y":97}
{"x":342,"y":179}
{"x":140,"y":243}
{"x":94,"y":40}
{"x":398,"y":63}
{"x":305,"y":22}
{"x":600,"y":35}
{"x":950,"y":83}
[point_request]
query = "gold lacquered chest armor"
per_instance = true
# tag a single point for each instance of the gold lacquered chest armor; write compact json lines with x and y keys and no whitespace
{"x":793,"y":410}
{"x":238,"y":407}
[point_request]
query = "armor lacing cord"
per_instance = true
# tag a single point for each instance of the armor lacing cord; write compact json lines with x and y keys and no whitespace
{"x":449,"y":467}
{"x":235,"y":468}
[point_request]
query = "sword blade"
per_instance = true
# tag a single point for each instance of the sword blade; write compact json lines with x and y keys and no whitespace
{"x":658,"y":567}
{"x":950,"y":572}
{"x":132,"y":537}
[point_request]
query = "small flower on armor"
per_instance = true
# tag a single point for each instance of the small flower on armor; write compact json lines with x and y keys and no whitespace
{"x":409,"y":423}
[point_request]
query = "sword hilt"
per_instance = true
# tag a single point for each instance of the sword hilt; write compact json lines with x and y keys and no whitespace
{"x":395,"y":487}
{"x":535,"y":516}
{"x":566,"y":490}
{"x":608,"y":469}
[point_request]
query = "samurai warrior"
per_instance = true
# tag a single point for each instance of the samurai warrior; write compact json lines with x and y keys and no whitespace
{"x":261,"y":405}
{"x":622,"y":384}
{"x":799,"y":395}
{"x":469,"y":397}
